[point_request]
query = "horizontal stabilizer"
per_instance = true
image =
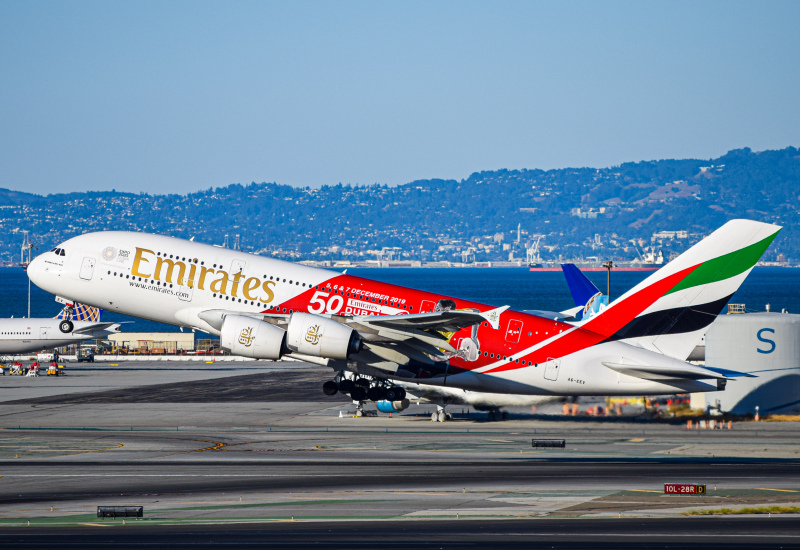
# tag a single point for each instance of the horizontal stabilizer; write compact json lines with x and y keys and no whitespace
{"x":566,"y":315}
{"x":97,"y":327}
{"x":676,"y":371}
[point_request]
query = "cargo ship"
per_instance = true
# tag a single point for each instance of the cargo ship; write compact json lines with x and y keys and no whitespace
{"x":595,"y":266}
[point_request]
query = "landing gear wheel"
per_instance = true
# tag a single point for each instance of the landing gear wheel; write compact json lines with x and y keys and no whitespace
{"x":346,"y":386}
{"x":504,"y":415}
{"x":330,"y":388}
{"x":363,"y":382}
{"x":376,"y":393}
{"x":358,"y":393}
{"x":490,"y":416}
{"x":65,"y":326}
{"x":393,"y":393}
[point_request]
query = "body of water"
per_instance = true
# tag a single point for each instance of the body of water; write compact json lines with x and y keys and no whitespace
{"x":517,"y":287}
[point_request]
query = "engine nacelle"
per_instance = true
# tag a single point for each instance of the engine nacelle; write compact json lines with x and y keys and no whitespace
{"x":250,"y":337}
{"x":392,"y":406}
{"x":321,"y":337}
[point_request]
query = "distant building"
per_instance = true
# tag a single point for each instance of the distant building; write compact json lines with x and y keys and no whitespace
{"x":669,"y":235}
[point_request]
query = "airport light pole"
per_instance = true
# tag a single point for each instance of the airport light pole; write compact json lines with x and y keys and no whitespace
{"x":609,"y":265}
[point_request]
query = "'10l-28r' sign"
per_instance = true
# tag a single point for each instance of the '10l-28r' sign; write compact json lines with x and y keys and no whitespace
{"x":684,"y":489}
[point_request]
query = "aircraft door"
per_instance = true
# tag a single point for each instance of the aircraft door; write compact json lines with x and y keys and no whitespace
{"x":87,"y":269}
{"x":551,"y":368}
{"x":43,"y":333}
{"x":237,"y":266}
{"x":513,"y":331}
{"x":426,"y":306}
{"x":185,"y":292}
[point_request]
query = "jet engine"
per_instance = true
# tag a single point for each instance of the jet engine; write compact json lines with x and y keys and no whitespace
{"x":321,"y":337}
{"x":248,"y":337}
{"x":392,"y":406}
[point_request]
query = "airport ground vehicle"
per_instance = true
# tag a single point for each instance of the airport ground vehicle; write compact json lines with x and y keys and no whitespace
{"x":85,"y":355}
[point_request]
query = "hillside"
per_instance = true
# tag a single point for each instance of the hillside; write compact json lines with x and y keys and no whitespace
{"x":578,"y":211}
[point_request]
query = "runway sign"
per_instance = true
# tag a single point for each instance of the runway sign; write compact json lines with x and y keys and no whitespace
{"x":684,"y":489}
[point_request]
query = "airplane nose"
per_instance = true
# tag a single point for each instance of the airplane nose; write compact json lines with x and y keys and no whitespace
{"x":37,"y":272}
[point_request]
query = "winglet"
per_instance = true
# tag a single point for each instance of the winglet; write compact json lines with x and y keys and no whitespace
{"x":493,"y":316}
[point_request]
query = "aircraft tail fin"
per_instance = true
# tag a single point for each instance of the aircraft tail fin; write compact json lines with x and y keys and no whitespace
{"x":581,"y":288}
{"x":82,"y":312}
{"x":584,"y":293}
{"x":669,"y":311}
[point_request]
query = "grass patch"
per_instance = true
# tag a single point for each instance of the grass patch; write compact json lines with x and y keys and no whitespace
{"x":749,"y":510}
{"x":782,"y":418}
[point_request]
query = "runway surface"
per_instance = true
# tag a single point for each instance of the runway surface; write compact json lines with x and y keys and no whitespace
{"x":708,"y":533}
{"x":243,"y":457}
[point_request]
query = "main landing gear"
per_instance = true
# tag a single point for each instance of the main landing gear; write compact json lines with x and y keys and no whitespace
{"x":496,"y":414}
{"x":364,"y":389}
{"x":441,"y":415}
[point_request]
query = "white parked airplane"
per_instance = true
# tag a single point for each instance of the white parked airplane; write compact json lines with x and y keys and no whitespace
{"x":266,"y":308}
{"x":24,"y":335}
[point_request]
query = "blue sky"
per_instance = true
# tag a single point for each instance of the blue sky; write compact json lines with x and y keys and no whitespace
{"x":179,"y":96}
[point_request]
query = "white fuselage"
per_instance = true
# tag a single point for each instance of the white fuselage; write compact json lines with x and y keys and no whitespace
{"x":25,"y":335}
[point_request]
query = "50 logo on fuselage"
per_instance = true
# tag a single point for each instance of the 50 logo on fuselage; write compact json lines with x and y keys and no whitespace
{"x":168,"y":271}
{"x":319,"y":303}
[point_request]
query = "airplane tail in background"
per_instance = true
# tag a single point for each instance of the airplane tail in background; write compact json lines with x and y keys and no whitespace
{"x":585,"y":294}
{"x":82,"y":312}
{"x":669,"y":311}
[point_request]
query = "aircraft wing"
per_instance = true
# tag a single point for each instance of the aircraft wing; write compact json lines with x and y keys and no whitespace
{"x":444,"y":321}
{"x":566,"y":315}
{"x":397,"y":340}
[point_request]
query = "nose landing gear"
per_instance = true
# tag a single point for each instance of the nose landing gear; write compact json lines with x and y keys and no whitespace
{"x":66,"y":325}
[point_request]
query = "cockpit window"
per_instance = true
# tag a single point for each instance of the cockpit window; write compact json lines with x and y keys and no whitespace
{"x":61,"y":252}
{"x":57,"y":251}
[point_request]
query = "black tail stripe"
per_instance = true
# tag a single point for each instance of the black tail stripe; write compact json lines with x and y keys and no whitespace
{"x":672,"y":321}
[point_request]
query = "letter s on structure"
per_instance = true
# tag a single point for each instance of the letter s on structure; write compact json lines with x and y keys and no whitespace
{"x":268,"y":289}
{"x":765,"y":340}
{"x":138,"y":259}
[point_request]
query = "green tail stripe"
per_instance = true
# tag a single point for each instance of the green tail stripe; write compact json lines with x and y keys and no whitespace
{"x":726,"y":266}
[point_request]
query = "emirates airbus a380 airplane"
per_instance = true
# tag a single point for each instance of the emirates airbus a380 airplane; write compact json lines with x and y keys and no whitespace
{"x":265,"y":308}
